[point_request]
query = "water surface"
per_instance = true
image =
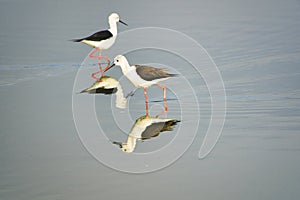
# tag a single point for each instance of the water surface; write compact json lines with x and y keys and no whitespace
{"x":256,"y":46}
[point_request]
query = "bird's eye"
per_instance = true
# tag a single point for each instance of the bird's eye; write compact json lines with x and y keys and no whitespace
{"x":117,"y":60}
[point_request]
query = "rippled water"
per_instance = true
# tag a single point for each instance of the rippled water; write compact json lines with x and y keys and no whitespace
{"x":256,"y":46}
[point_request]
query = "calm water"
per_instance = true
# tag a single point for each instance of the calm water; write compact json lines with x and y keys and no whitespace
{"x":256,"y":46}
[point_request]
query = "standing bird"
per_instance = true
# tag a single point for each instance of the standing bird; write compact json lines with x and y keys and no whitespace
{"x":102,"y":40}
{"x":146,"y":127}
{"x":144,"y":77}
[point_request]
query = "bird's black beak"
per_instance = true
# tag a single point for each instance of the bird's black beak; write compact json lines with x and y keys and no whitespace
{"x":123,"y":22}
{"x":118,"y":143}
{"x":109,"y":67}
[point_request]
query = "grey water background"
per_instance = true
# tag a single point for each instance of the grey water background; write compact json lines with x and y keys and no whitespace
{"x":256,"y":46}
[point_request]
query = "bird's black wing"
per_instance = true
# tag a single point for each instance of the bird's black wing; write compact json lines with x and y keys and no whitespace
{"x":155,"y":129}
{"x":101,"y":90}
{"x":152,"y":130}
{"x":149,"y":73}
{"x":101,"y":35}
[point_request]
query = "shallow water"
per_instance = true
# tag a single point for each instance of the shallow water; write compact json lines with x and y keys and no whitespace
{"x":256,"y":47}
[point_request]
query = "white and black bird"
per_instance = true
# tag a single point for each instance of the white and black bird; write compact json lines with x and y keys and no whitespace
{"x":146,"y":127}
{"x":142,"y":76}
{"x":102,"y":40}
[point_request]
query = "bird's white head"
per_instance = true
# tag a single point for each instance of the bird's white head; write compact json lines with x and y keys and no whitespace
{"x":126,"y":148}
{"x":122,"y":62}
{"x":114,"y":17}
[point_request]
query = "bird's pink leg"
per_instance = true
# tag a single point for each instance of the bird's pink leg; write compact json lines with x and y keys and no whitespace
{"x":99,"y":57}
{"x":108,"y":63}
{"x":165,"y":99}
{"x":147,"y":102}
{"x":91,"y":55}
{"x":95,"y":77}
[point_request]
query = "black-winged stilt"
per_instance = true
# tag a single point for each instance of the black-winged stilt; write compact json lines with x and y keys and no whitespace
{"x":102,"y":40}
{"x":143,"y":77}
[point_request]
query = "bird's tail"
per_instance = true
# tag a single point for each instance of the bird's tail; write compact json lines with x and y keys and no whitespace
{"x":76,"y":40}
{"x":173,"y":75}
{"x":169,"y":125}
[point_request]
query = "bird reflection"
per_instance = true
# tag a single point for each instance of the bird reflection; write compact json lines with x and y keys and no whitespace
{"x":108,"y":85}
{"x":144,"y":128}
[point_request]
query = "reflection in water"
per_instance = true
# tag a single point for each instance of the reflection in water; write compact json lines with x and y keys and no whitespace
{"x":144,"y":128}
{"x":108,"y":85}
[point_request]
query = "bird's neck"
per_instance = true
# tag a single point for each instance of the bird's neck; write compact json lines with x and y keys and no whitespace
{"x":113,"y":27}
{"x":126,"y":68}
{"x":130,"y":144}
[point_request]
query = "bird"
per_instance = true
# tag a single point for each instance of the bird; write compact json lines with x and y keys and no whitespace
{"x":102,"y":40}
{"x":142,"y":76}
{"x":146,"y":127}
{"x":108,"y":85}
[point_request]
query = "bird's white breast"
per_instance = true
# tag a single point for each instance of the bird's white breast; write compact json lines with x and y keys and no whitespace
{"x":103,"y":44}
{"x":137,"y":81}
